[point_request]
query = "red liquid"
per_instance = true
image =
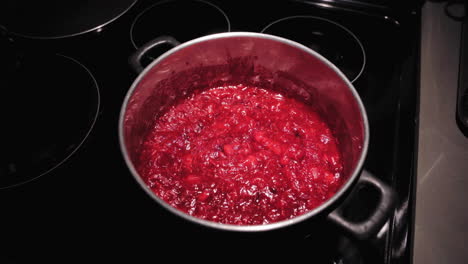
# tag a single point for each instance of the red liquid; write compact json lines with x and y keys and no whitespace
{"x":241,"y":155}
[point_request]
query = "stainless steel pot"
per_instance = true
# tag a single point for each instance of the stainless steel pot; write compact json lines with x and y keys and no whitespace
{"x":269,"y":62}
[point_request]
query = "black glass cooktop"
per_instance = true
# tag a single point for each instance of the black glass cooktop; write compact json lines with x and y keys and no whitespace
{"x":52,"y":109}
{"x":53,"y":19}
{"x":327,"y":38}
{"x":86,"y":197}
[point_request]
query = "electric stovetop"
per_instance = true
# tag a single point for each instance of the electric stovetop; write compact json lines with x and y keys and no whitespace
{"x":63,"y":181}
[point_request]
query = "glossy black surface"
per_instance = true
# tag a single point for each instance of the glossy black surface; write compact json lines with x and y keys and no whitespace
{"x":52,"y":103}
{"x":462,"y":93}
{"x":371,"y":5}
{"x":172,"y":17}
{"x":92,"y":197}
{"x":58,"y":19}
{"x":327,"y":38}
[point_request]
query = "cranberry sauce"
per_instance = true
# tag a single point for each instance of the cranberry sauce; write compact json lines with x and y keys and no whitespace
{"x":241,"y":155}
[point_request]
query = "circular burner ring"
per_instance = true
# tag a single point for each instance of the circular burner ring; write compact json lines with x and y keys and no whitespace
{"x":12,"y":179}
{"x":175,"y":32}
{"x":44,"y":20}
{"x":280,"y":27}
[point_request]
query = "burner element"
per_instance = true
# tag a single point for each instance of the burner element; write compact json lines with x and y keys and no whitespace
{"x":52,"y":19}
{"x":330,"y":39}
{"x":50,"y":104}
{"x":183,"y":20}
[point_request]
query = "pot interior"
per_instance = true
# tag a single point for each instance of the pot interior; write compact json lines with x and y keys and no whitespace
{"x":266,"y":62}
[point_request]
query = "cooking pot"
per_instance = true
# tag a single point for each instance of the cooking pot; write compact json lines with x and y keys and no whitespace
{"x":269,"y":62}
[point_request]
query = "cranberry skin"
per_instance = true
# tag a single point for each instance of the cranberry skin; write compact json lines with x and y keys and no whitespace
{"x":241,"y":155}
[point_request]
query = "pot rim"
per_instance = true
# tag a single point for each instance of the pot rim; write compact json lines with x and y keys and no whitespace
{"x":247,"y":228}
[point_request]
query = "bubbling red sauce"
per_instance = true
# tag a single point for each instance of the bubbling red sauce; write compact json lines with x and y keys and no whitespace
{"x":241,"y":155}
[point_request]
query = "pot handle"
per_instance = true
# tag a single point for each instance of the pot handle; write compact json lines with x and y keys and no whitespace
{"x":135,"y":58}
{"x":372,"y":225}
